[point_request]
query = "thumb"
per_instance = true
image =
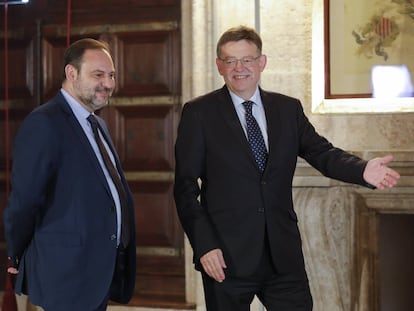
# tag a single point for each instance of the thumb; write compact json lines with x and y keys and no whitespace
{"x":387,"y":159}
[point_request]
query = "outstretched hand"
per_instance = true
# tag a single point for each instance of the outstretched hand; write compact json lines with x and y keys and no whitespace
{"x":378,"y":174}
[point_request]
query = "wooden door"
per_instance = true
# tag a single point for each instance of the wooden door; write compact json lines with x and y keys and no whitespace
{"x":145,"y":39}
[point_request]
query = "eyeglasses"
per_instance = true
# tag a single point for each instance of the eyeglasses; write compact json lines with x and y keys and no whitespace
{"x":245,"y":61}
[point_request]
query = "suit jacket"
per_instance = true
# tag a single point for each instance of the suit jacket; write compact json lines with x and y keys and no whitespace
{"x":60,"y":221}
{"x":238,"y":204}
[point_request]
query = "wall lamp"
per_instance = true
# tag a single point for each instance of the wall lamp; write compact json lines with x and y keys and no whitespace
{"x":14,"y":2}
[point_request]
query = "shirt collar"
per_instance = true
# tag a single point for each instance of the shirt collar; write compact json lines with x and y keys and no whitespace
{"x":79,"y":111}
{"x":237,"y":100}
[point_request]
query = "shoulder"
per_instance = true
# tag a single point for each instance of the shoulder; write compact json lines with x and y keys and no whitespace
{"x":282,"y":103}
{"x":52,"y":108}
{"x":45,"y":118}
{"x":278,"y":97}
{"x":208,"y":100}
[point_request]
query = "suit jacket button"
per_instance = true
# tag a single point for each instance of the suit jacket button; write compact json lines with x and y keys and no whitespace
{"x":261,"y":210}
{"x":113,"y":237}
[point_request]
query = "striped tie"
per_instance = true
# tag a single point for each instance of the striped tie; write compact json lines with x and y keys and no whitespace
{"x":125,"y":226}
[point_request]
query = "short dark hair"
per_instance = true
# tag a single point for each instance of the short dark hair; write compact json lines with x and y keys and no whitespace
{"x":237,"y":34}
{"x":74,"y":53}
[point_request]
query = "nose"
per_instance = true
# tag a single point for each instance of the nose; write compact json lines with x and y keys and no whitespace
{"x":238,"y":64}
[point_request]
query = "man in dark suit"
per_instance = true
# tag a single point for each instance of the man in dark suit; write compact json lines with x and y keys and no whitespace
{"x":65,"y":238}
{"x":236,"y":154}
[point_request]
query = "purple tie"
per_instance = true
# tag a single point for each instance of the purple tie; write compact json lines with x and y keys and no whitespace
{"x":125,"y":227}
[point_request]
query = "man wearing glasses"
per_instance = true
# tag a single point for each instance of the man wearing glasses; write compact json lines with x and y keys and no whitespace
{"x":236,"y":154}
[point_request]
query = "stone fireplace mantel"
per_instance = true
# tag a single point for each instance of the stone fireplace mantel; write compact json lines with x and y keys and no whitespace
{"x":339,"y":227}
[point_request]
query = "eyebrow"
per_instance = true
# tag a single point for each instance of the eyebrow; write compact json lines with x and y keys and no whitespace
{"x":102,"y":71}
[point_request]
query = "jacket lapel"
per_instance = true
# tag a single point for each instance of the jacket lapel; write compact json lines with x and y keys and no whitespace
{"x":274,"y":131}
{"x":230,"y":116}
{"x":84,"y":142}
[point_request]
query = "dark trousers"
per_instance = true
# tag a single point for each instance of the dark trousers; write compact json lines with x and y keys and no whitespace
{"x":277,"y":292}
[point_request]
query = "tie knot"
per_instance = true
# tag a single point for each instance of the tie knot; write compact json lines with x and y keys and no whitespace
{"x":248,"y":106}
{"x":92,"y":120}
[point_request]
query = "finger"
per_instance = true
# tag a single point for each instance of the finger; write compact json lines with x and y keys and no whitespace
{"x":221,"y":261}
{"x":392,"y":174}
{"x":12,"y":270}
{"x":213,"y":264}
{"x":214,"y":269}
{"x":218,"y":275}
{"x":387,"y":159}
{"x":389,"y":181}
{"x":208,"y":264}
{"x":215,"y":272}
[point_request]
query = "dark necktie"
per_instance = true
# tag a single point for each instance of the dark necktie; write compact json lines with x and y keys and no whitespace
{"x":255,"y":137}
{"x":125,"y":226}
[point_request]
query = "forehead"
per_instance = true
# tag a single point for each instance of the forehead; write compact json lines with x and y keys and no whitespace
{"x":238,"y":49}
{"x":98,"y":60}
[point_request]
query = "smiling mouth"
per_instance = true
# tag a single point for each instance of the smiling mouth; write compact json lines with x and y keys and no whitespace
{"x":240,"y":77}
{"x":105,"y":93}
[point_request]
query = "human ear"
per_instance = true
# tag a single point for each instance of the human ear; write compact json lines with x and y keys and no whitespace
{"x":219,"y":66}
{"x":262,"y":62}
{"x":70,"y":72}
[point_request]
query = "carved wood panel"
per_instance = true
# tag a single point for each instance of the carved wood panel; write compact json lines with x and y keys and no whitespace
{"x":16,"y":116}
{"x":155,"y":215}
{"x":20,"y":71}
{"x":146,"y":63}
{"x":144,"y":135}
